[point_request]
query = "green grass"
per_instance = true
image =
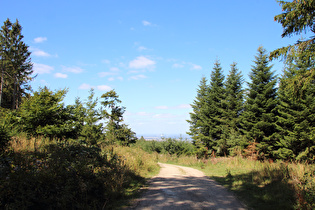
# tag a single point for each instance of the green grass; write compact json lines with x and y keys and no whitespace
{"x":260,"y":185}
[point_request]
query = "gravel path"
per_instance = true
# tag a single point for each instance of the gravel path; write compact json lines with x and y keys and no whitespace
{"x":178,"y":187}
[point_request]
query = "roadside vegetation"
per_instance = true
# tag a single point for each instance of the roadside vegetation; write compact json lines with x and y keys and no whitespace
{"x":259,"y":142}
{"x":258,"y":184}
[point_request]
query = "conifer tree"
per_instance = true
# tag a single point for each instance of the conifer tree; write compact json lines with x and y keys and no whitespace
{"x":199,"y":130}
{"x":259,"y":116}
{"x":92,"y":130}
{"x":115,"y":130}
{"x":44,"y":114}
{"x":215,"y":108}
{"x":16,"y":66}
{"x":296,"y":120}
{"x":233,"y":106}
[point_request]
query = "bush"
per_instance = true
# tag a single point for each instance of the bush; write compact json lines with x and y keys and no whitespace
{"x":167,"y":146}
{"x":63,"y":176}
{"x":4,"y":138}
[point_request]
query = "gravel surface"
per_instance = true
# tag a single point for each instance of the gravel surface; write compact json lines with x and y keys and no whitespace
{"x":178,"y":187}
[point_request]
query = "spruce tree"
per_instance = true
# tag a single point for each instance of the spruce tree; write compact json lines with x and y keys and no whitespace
{"x":233,"y":106}
{"x":296,"y":121}
{"x":259,"y":116}
{"x":198,"y":130}
{"x":16,"y":66}
{"x":215,"y":109}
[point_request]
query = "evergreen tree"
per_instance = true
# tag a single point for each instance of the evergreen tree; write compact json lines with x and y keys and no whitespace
{"x":215,"y":109}
{"x":115,"y":130}
{"x":207,"y":117}
{"x":44,"y":114}
{"x":233,"y":106}
{"x":259,"y":116}
{"x":92,"y":129}
{"x":298,"y":16}
{"x":16,"y":66}
{"x":198,"y":129}
{"x":296,"y":121}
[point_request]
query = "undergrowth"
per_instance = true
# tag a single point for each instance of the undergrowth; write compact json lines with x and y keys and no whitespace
{"x":261,"y":185}
{"x":38,"y":174}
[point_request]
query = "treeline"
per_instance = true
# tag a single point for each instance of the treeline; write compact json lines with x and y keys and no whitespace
{"x":274,"y":117}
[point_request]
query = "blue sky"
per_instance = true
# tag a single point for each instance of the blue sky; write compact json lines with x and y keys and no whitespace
{"x":152,"y":52}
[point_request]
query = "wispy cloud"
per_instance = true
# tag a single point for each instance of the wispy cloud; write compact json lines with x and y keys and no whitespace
{"x":85,"y":86}
{"x":195,"y":67}
{"x":181,"y":106}
{"x":115,"y":69}
{"x":42,"y":68}
{"x":161,"y":107}
{"x":146,"y":23}
{"x":105,"y":74}
{"x":104,"y":87}
{"x":137,"y":77}
{"x":141,"y":48}
{"x":39,"y":53}
{"x":141,"y":62}
{"x":60,"y":75}
{"x":75,"y":70}
{"x":177,"y":65}
{"x":106,"y":61}
{"x":40,"y":39}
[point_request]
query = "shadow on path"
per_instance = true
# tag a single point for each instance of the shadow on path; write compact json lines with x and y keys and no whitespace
{"x":178,"y":187}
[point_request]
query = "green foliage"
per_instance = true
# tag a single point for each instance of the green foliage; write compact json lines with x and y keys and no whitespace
{"x":259,"y":115}
{"x":4,"y":138}
{"x":114,"y":130}
{"x":296,"y":112}
{"x":167,"y":146}
{"x":69,"y":175}
{"x":91,"y":129}
{"x":44,"y":114}
{"x":298,"y":17}
{"x":207,"y":116}
{"x":16,"y":65}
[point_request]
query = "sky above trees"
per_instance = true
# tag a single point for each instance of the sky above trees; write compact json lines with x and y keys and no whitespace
{"x":153,"y":53}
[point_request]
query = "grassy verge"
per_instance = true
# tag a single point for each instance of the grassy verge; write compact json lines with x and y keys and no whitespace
{"x":38,"y":174}
{"x":260,"y":185}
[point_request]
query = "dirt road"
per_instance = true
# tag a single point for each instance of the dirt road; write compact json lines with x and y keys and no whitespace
{"x":177,"y":187}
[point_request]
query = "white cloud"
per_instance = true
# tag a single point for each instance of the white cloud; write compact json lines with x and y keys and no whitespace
{"x":75,"y":70}
{"x":114,"y":69}
{"x":141,"y":62}
{"x":141,"y":48}
{"x":161,"y":107}
{"x":195,"y":67}
{"x":111,"y":79}
{"x":42,"y":68}
{"x":39,"y":53}
{"x":177,"y":65}
{"x":85,"y":86}
{"x":40,"y":39}
{"x":137,"y":77}
{"x":60,"y":75}
{"x":104,"y":87}
{"x":106,"y":61}
{"x":146,"y":23}
{"x":183,"y":106}
{"x":120,"y":78}
{"x":142,"y":114}
{"x":105,"y":74}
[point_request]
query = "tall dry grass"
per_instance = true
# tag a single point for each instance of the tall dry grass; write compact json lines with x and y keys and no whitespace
{"x":262,"y":185}
{"x":38,"y":173}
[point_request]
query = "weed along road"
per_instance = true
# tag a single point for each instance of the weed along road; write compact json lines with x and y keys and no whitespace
{"x":178,"y":187}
